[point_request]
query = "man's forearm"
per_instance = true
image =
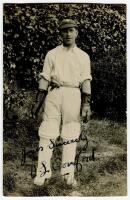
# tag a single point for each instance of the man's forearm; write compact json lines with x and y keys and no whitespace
{"x":41,"y":94}
{"x":86,"y":99}
{"x":40,"y":97}
{"x":86,"y":92}
{"x":43,"y":84}
{"x":86,"y":87}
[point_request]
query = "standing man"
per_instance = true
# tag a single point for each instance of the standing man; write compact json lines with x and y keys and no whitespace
{"x":66,"y":74}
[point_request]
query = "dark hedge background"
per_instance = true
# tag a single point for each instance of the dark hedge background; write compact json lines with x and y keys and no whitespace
{"x":31,"y":30}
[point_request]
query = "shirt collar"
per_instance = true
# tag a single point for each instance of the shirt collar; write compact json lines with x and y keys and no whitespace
{"x":73,"y":49}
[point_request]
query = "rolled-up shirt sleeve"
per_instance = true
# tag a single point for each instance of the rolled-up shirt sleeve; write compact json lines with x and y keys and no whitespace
{"x":86,"y":69}
{"x":47,"y":68}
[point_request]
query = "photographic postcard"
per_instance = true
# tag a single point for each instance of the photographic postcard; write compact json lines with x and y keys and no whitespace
{"x":64,"y":99}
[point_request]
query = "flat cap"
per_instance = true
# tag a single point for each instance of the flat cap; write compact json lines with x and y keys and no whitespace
{"x":67,"y":23}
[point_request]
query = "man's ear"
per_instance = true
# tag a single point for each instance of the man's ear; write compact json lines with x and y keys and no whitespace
{"x":77,"y":33}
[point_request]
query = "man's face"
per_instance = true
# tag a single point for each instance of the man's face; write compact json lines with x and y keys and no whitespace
{"x":68,"y":36}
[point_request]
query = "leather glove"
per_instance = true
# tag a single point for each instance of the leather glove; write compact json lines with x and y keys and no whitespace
{"x":39,"y":101}
{"x":86,"y":111}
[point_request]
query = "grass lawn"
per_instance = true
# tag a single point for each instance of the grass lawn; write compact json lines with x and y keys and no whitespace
{"x":104,"y":175}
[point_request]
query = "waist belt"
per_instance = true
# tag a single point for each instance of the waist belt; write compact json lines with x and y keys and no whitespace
{"x":58,"y":85}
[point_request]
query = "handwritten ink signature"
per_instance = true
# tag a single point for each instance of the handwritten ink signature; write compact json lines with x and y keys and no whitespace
{"x":57,"y":165}
{"x":31,"y":153}
{"x":79,"y":159}
{"x":55,"y":145}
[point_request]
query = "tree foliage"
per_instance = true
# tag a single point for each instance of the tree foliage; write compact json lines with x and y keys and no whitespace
{"x":31,"y":30}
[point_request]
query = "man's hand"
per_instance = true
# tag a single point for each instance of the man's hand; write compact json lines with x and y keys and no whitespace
{"x":86,"y":112}
{"x":85,"y":107}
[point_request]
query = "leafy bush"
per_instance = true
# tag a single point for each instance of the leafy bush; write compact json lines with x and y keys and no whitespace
{"x":8,"y":182}
{"x":31,"y":30}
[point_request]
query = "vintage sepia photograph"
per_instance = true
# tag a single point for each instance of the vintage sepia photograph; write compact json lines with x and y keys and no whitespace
{"x":64,"y":99}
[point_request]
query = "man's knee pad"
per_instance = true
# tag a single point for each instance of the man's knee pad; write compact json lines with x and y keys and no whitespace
{"x":68,"y":158}
{"x":70,"y":130}
{"x":44,"y":155}
{"x":49,"y":129}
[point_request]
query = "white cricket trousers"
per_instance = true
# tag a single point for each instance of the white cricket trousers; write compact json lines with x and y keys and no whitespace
{"x":61,"y":117}
{"x":61,"y":114}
